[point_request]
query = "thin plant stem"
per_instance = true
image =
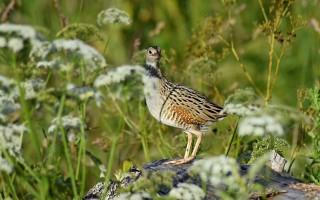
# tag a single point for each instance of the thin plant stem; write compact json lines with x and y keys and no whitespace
{"x":263,"y":11}
{"x":10,"y":186}
{"x":268,"y":96}
{"x":144,"y":138}
{"x":231,"y":140}
{"x":26,"y":112}
{"x":65,"y":147}
{"x":82,"y":151}
{"x":108,"y":40}
{"x":111,"y":156}
{"x":277,"y":69}
{"x":127,"y":120}
{"x":245,"y":70}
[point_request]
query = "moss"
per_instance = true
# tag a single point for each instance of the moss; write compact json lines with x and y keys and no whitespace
{"x":267,"y":144}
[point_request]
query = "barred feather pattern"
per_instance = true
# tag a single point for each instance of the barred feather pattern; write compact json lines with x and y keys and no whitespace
{"x":178,"y":106}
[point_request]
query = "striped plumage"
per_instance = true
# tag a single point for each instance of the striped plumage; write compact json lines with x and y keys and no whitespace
{"x":176,"y":105}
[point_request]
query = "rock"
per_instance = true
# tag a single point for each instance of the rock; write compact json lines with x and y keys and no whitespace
{"x":278,"y":185}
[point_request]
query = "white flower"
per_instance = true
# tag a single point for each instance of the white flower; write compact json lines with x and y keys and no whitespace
{"x":240,"y":109}
{"x":26,"y":32}
{"x":260,"y":125}
{"x":71,"y":124}
{"x":185,"y":191}
{"x":3,"y":42}
{"x":21,"y":32}
{"x":5,"y":165}
{"x":92,"y":58}
{"x":11,"y":137}
{"x":15,"y":44}
{"x":133,"y":196}
{"x":39,"y":50}
{"x":7,"y":104}
{"x":84,"y":93}
{"x":218,"y":171}
{"x":47,"y":64}
{"x":118,"y":74}
{"x":32,"y":87}
{"x":113,"y":15}
{"x":6,"y":82}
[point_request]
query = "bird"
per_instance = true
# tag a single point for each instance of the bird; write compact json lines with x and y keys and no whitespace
{"x":177,"y":106}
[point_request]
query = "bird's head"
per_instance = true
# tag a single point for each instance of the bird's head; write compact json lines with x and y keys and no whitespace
{"x":153,"y":55}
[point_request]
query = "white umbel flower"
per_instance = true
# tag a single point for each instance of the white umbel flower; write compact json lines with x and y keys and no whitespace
{"x":113,"y":15}
{"x":3,"y":42}
{"x":15,"y":44}
{"x":218,"y":170}
{"x":92,"y":58}
{"x":185,"y":191}
{"x":240,"y":109}
{"x":133,"y":196}
{"x":26,"y":32}
{"x":33,"y":87}
{"x":118,"y":74}
{"x":22,"y":32}
{"x":260,"y":125}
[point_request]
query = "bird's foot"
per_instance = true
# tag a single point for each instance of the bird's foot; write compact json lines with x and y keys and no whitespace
{"x":180,"y":161}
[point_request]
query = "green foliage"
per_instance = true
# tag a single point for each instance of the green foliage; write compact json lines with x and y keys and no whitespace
{"x":267,"y":144}
{"x":313,"y":168}
{"x":151,"y":183}
{"x":81,"y":31}
{"x":242,"y":96}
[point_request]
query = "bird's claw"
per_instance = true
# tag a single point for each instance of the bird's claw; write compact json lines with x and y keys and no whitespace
{"x":180,"y":161}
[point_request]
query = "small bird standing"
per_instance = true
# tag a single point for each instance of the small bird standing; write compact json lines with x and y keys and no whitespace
{"x":176,"y":105}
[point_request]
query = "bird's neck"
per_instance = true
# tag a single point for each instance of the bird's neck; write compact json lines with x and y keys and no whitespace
{"x":153,"y":69}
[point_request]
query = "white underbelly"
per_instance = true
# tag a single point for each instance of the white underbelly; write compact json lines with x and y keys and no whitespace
{"x":155,"y":101}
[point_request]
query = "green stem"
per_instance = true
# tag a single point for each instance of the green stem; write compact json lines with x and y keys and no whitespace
{"x":65,"y":147}
{"x":107,"y":41}
{"x":82,"y":151}
{"x":111,"y":157}
{"x":10,"y":186}
{"x":231,"y":140}
{"x":263,"y":11}
{"x":26,"y":112}
{"x":144,"y":138}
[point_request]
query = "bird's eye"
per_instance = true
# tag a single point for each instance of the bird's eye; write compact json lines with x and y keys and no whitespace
{"x":150,"y":52}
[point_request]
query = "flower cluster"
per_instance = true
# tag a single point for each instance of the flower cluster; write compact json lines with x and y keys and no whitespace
{"x":187,"y":191}
{"x":218,"y":171}
{"x":32,"y":87}
{"x":72,"y":125}
{"x":84,"y":93}
{"x":240,"y":109}
{"x":118,"y":74}
{"x":8,"y":96}
{"x":260,"y":125}
{"x":10,"y":141}
{"x":113,"y":15}
{"x":18,"y":35}
{"x":133,"y":196}
{"x":92,"y":59}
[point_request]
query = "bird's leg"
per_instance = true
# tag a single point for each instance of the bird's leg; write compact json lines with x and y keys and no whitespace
{"x":196,"y":146}
{"x":186,"y":155}
{"x":194,"y":152}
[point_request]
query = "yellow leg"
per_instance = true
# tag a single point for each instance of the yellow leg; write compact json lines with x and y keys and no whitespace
{"x":194,"y":152}
{"x":196,"y":146}
{"x":186,"y":154}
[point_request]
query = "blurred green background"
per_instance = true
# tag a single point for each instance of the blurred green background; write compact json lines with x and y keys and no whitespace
{"x":187,"y":31}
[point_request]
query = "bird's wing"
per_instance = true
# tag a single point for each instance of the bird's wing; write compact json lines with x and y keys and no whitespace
{"x":194,"y":105}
